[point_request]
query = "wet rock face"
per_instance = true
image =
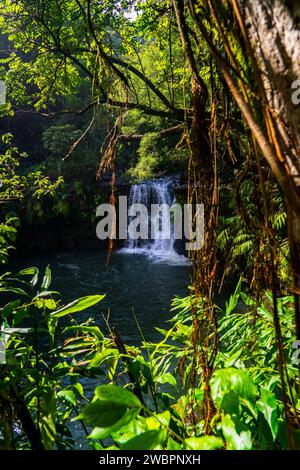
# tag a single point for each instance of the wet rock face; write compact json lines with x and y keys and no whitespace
{"x":179,"y":247}
{"x":274,"y":32}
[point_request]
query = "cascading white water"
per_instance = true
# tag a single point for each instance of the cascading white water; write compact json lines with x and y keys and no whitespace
{"x":148,"y":193}
{"x":160,"y":244}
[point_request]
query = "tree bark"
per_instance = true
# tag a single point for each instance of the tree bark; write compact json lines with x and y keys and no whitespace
{"x":273,"y":29}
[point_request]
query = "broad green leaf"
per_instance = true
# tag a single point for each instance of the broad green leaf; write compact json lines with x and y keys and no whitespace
{"x":235,"y":440}
{"x":67,"y":395}
{"x":158,"y":420}
{"x":99,"y":414}
{"x":147,"y":441}
{"x":225,"y":380}
{"x":104,"y":432}
{"x":267,"y":405}
{"x":173,"y":445}
{"x":132,"y":429}
{"x":114,"y":408}
{"x":204,"y":443}
{"x":114,"y":395}
{"x":251,"y":407}
{"x":78,"y":305}
{"x":231,"y":403}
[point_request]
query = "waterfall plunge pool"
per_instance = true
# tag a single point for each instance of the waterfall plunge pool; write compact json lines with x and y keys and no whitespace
{"x":141,"y":282}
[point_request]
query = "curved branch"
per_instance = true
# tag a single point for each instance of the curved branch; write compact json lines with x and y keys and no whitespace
{"x":138,"y":137}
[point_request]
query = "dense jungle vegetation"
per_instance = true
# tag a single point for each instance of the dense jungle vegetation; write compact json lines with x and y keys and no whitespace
{"x":102,"y":94}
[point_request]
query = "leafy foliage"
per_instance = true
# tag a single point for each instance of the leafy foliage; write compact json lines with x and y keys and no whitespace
{"x":41,"y":376}
{"x":15,"y":186}
{"x":146,"y":400}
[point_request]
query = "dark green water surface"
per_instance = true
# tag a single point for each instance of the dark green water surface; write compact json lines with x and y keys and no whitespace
{"x":131,"y":281}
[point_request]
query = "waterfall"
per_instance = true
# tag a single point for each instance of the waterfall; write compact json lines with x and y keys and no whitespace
{"x":161,"y":244}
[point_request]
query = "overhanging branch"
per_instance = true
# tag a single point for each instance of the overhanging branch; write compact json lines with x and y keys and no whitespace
{"x":162,"y":133}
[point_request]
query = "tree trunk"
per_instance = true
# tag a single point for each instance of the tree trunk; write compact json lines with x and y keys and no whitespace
{"x":273,"y":28}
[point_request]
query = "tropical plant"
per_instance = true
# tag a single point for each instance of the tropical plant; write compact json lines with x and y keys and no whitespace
{"x":43,"y":361}
{"x":15,"y":185}
{"x":245,"y":386}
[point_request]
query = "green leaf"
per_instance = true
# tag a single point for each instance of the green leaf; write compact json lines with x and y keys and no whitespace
{"x":113,"y":395}
{"x":34,"y":272}
{"x":147,"y":441}
{"x":16,"y":290}
{"x":47,"y":278}
{"x":78,"y":389}
{"x":166,"y":379}
{"x":251,"y":407}
{"x":104,"y":432}
{"x":23,"y":331}
{"x":114,"y":408}
{"x":173,"y":445}
{"x":204,"y":443}
{"x":93,"y":330}
{"x":225,"y":380}
{"x":78,"y":305}
{"x":267,"y":405}
{"x":9,"y":308}
{"x":158,"y":419}
{"x":233,"y":300}
{"x":67,"y":395}
{"x":48,"y":416}
{"x":52,"y":325}
{"x":231,"y":403}
{"x":103,"y":357}
{"x":46,"y":293}
{"x":98,"y":414}
{"x":19,"y":316}
{"x":48,"y":304}
{"x":235,"y":440}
